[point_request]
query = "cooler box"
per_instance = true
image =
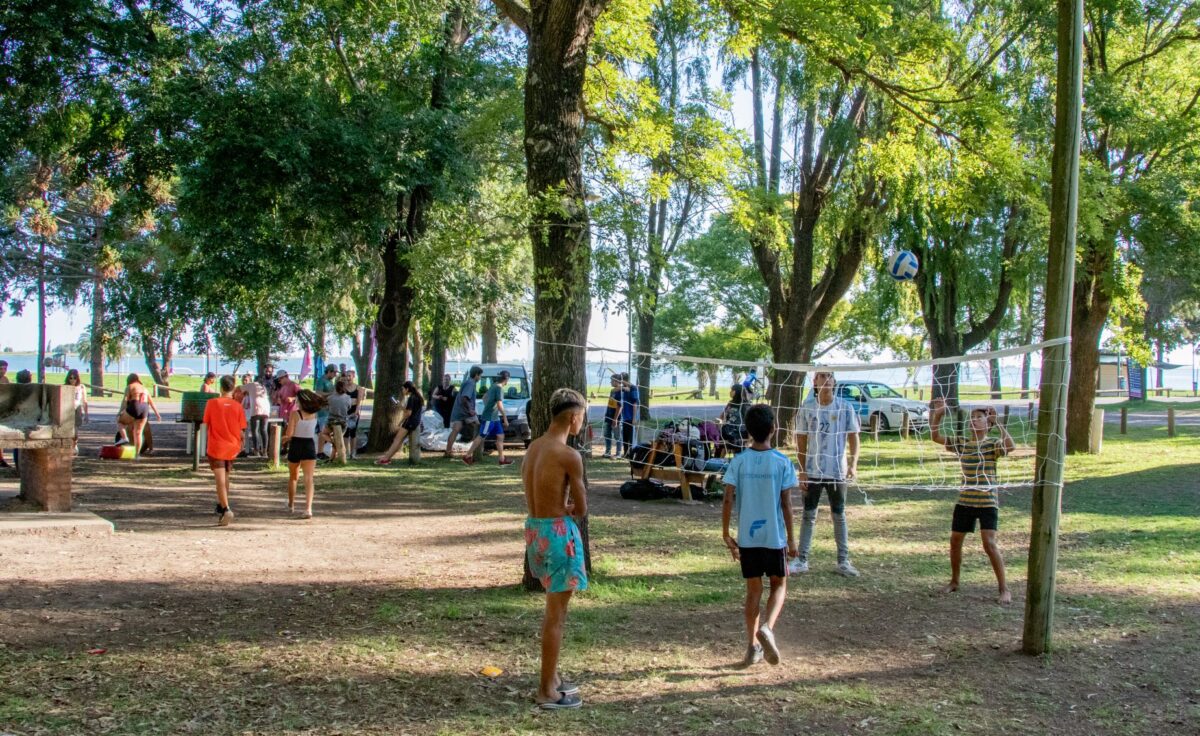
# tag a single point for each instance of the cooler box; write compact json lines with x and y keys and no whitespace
{"x":117,"y":452}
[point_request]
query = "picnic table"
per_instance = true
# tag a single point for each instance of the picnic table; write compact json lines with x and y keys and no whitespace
{"x":677,"y":474}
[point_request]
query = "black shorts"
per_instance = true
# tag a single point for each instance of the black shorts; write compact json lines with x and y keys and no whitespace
{"x":759,"y":561}
{"x":301,"y":449}
{"x":965,"y":516}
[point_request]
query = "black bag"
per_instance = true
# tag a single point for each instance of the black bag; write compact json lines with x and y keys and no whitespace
{"x":648,"y":489}
{"x":640,"y":455}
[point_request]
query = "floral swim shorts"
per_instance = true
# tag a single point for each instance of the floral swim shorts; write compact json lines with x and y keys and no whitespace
{"x":554,"y":549}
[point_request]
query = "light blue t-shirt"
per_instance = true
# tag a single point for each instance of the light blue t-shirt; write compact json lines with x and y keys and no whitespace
{"x":759,"y":477}
{"x":826,"y":427}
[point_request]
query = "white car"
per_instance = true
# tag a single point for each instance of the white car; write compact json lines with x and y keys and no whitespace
{"x":880,"y":404}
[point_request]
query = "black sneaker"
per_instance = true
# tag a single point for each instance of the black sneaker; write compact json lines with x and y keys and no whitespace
{"x":322,"y":456}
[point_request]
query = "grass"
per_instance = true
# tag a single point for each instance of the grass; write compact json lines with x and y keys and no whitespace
{"x":653,"y":636}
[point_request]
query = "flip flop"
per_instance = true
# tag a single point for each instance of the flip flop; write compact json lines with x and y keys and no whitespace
{"x":381,"y":461}
{"x":566,"y":702}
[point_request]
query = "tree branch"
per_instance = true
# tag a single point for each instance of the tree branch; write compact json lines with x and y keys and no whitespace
{"x":515,"y":12}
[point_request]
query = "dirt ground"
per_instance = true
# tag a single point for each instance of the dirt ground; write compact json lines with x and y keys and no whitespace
{"x":883,"y":654}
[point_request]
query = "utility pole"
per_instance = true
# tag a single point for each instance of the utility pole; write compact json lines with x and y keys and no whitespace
{"x":1056,"y":359}
{"x":41,"y":366}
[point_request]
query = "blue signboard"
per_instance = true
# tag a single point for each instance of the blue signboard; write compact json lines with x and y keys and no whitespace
{"x":1137,"y":379}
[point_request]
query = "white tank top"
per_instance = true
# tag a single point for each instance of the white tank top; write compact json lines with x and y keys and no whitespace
{"x":306,"y":429}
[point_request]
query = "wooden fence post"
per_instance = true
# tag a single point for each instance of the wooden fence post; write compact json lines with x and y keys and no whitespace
{"x":1124,"y":420}
{"x":904,"y":424}
{"x":1170,"y":421}
{"x":274,"y":437}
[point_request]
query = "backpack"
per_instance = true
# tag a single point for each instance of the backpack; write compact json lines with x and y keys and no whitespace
{"x":648,"y":489}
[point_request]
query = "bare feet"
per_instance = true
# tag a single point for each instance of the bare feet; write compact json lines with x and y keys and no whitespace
{"x":950,"y":588}
{"x":1005,"y":598}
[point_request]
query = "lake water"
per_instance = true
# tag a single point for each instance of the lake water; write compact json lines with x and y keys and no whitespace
{"x":974,"y":372}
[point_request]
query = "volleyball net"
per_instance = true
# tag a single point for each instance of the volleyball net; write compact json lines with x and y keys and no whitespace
{"x":701,"y":404}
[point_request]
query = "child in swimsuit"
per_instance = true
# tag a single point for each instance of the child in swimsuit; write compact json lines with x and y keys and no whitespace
{"x":555,"y":496}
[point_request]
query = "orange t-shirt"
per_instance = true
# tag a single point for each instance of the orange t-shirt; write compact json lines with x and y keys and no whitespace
{"x":225,"y":419}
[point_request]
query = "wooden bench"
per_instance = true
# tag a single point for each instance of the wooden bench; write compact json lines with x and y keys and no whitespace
{"x":678,"y":474}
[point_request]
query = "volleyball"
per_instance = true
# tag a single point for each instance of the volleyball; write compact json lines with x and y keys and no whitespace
{"x":902,"y":265}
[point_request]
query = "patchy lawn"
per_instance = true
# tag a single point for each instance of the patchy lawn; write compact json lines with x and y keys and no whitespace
{"x":376,"y":616}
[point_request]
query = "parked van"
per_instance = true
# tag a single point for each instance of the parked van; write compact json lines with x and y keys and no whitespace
{"x":516,"y":397}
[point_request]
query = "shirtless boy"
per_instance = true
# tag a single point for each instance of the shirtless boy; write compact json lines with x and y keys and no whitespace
{"x":556,"y":497}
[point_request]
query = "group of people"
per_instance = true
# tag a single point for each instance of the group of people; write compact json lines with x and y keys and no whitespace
{"x":327,"y":414}
{"x":759,"y":482}
{"x":620,"y":416}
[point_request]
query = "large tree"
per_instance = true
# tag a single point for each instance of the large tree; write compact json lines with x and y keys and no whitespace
{"x":1141,"y":120}
{"x":558,"y":36}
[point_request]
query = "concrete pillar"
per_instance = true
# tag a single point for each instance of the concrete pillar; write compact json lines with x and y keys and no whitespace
{"x":1096,"y":433}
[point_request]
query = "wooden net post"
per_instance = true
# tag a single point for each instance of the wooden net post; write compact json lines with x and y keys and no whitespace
{"x":1056,"y":359}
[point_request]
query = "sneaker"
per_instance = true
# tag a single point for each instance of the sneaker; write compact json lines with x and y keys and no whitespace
{"x":226,"y":517}
{"x":322,"y":456}
{"x":607,"y":456}
{"x":767,"y":638}
{"x":797,"y":566}
{"x":468,"y":460}
{"x":845,"y":569}
{"x":505,"y":461}
{"x":754,"y":655}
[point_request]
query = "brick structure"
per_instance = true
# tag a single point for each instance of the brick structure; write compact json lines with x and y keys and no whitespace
{"x":39,"y":420}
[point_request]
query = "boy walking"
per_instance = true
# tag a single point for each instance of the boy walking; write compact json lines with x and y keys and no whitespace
{"x":977,"y":501}
{"x":827,"y":446}
{"x":226,"y":421}
{"x":556,"y":497}
{"x":759,"y":483}
{"x":463,"y":416}
{"x":494,"y":421}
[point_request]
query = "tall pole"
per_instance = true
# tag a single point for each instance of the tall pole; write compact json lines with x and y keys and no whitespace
{"x":1056,"y":360}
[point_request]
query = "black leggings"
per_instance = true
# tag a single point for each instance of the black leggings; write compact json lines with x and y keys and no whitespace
{"x":258,"y":433}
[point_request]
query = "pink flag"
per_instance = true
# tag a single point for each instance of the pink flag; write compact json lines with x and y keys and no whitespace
{"x":306,"y":364}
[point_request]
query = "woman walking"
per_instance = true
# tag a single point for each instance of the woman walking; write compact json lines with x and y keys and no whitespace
{"x":81,"y":403}
{"x":410,"y":421}
{"x":257,"y":400}
{"x":135,"y":413}
{"x":301,"y":436}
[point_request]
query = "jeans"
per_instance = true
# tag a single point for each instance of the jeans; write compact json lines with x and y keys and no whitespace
{"x":258,"y":433}
{"x":626,"y":436}
{"x":836,"y":492}
{"x":610,"y":438}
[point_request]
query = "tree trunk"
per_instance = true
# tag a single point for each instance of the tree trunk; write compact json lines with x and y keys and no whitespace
{"x":362,"y":352}
{"x":319,"y":340}
{"x":559,"y":32}
{"x":1161,"y":356}
{"x":437,"y":360}
{"x":489,"y":339}
{"x":419,"y":366}
{"x":701,"y":380}
{"x":262,"y":356}
{"x":159,"y":373}
{"x":994,"y":368}
{"x":391,"y":333}
{"x":1091,"y":302}
{"x":99,"y":338}
{"x":712,"y":383}
{"x":644,"y":344}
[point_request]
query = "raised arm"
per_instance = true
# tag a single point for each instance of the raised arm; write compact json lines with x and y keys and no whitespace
{"x":1005,"y":437}
{"x":937,"y":410}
